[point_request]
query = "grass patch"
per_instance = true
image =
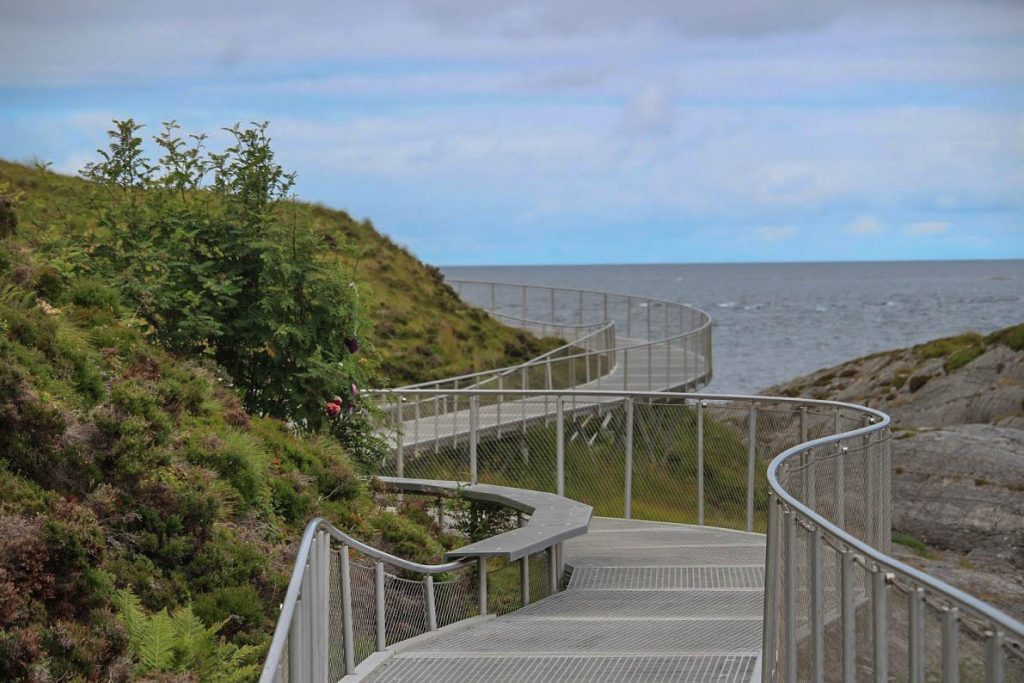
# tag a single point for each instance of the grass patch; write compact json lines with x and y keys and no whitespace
{"x":917,"y":546}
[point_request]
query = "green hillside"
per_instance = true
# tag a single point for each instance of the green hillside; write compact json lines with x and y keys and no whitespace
{"x":418,"y":328}
{"x":166,"y":352}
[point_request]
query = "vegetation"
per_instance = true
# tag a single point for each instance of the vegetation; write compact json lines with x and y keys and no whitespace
{"x":415,"y":328}
{"x":170,"y":331}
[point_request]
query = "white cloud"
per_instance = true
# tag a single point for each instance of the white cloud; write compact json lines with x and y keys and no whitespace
{"x":771,"y":233}
{"x":928,"y":228}
{"x":865,"y":225}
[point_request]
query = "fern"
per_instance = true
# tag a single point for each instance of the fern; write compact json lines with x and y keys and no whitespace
{"x":165,"y":642}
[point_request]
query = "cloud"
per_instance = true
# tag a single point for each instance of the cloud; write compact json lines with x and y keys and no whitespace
{"x":928,"y":228}
{"x":648,"y":113}
{"x":865,"y":225}
{"x":772,"y":233}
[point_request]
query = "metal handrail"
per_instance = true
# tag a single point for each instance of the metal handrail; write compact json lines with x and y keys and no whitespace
{"x":302,"y":558}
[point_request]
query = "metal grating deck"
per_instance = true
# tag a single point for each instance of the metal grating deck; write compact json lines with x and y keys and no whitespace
{"x":629,"y":614}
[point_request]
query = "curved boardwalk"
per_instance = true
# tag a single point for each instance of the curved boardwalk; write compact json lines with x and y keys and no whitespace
{"x":656,"y":369}
{"x":646,"y":601}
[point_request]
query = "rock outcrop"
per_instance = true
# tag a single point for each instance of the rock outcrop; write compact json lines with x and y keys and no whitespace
{"x":958,"y":453}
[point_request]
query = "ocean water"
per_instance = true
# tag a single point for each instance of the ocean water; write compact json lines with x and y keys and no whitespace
{"x":775,"y":321}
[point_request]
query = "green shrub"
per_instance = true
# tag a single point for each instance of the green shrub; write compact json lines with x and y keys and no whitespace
{"x":241,"y":605}
{"x":962,"y":357}
{"x":918,"y":381}
{"x":1012,"y":337}
{"x":92,"y":293}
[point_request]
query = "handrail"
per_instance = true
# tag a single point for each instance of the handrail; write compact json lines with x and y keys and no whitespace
{"x":982,"y":609}
{"x":291,"y":597}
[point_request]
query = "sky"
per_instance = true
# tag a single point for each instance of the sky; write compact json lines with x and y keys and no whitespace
{"x":571,"y":131}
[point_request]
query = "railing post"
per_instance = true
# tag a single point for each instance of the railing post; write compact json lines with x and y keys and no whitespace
{"x":524,"y":302}
{"x":840,"y":493}
{"x":789,"y":591}
{"x":552,"y":290}
{"x":951,"y":645}
{"x":751,"y":455}
{"x":701,"y":404}
{"x":848,"y":615}
{"x":455,"y":417}
{"x":559,"y":446}
{"x":323,"y":622}
{"x":428,"y":598}
{"x":298,"y":647}
{"x":915,"y":635}
{"x":581,"y":307}
{"x":628,"y":499}
{"x":995,"y":660}
{"x":493,"y":306}
{"x":880,"y":624}
{"x":769,"y":644}
{"x":474,"y":416}
{"x":817,"y":608}
{"x":552,"y":570}
{"x":501,"y":397}
{"x":399,"y":451}
{"x":524,"y":580}
{"x":625,"y":368}
{"x":481,"y":583}
{"x":525,"y":399}
{"x":650,"y":350}
{"x":346,"y":611}
{"x":381,"y":617}
{"x":605,"y":308}
{"x":629,"y":317}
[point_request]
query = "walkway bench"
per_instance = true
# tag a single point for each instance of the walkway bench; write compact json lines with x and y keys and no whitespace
{"x":553,"y":518}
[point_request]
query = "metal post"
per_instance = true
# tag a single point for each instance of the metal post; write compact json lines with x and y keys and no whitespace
{"x":416,"y":427}
{"x":769,"y":646}
{"x":629,"y":317}
{"x":559,"y":446}
{"x":481,"y":583}
{"x":817,"y":608}
{"x":552,"y":571}
{"x":524,"y":580}
{"x":501,"y":397}
{"x":455,"y":417}
{"x":298,"y":649}
{"x":399,"y":451}
{"x":849,"y":616}
{"x":840,"y":497}
{"x":378,"y":594}
{"x":474,"y":417}
{"x":700,"y":461}
{"x":581,"y":307}
{"x":428,"y":598}
{"x":296,"y":640}
{"x":525,"y":399}
{"x":552,"y":305}
{"x":628,"y":504}
{"x":625,"y":368}
{"x":442,"y":403}
{"x":493,"y":307}
{"x":789,"y":591}
{"x":751,"y":454}
{"x":951,"y":645}
{"x":346,"y":612}
{"x":915,"y":635}
{"x":524,"y":302}
{"x":995,"y":660}
{"x":880,"y":625}
{"x":605,"y":308}
{"x":323,"y":613}
{"x":650,"y":350}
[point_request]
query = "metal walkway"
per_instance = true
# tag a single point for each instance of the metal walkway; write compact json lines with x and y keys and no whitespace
{"x":647,"y":369}
{"x":646,"y":601}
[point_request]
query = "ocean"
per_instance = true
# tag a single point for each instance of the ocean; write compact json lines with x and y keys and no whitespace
{"x":775,"y":321}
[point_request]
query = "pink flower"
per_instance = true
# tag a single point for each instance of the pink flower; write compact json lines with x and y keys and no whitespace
{"x":333,"y":409}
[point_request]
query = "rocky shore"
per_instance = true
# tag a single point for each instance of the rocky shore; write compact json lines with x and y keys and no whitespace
{"x":958,"y":455}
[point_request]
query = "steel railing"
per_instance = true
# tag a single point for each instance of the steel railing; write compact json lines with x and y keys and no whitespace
{"x":347,"y":600}
{"x":814,"y":475}
{"x":837,"y":607}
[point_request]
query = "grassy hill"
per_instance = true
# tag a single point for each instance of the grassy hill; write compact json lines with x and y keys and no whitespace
{"x":124,"y":468}
{"x":421,"y":329}
{"x":133,"y":480}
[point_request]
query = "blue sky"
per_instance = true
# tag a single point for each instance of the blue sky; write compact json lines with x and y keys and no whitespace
{"x":574,"y":131}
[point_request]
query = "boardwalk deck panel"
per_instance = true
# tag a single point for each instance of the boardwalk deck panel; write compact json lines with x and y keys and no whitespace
{"x":620,"y":619}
